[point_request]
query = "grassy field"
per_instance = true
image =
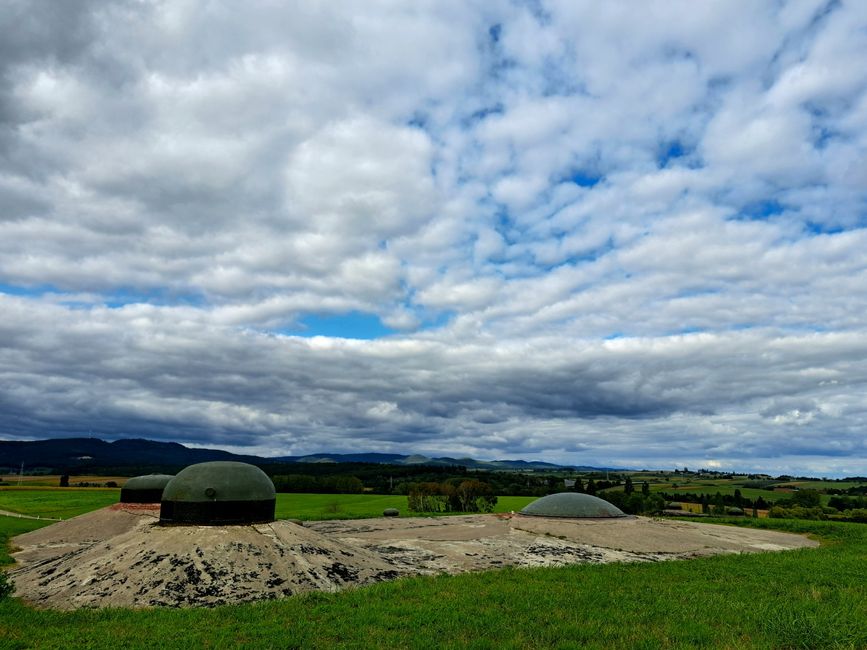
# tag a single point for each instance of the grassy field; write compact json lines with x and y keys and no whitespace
{"x":810,"y":598}
{"x":57,"y":503}
{"x":9,"y":528}
{"x":712,"y":488}
{"x":68,"y":502}
{"x":356,"y":506}
{"x":821,"y":485}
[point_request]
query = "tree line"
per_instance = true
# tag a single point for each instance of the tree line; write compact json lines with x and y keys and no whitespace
{"x":452,"y":496}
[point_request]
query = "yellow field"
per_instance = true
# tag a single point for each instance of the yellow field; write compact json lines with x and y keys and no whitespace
{"x":53,"y":480}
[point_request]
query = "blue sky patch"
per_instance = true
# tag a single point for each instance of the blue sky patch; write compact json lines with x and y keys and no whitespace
{"x":671,"y":151}
{"x":584,"y":178}
{"x":761,"y":210}
{"x":815,"y":228}
{"x":352,"y":325}
{"x":27,"y":292}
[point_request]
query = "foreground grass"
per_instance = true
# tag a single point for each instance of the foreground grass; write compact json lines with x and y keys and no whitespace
{"x":810,"y":598}
{"x":9,"y":528}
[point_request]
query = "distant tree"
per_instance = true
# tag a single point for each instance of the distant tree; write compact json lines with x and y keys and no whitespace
{"x":579,"y":485}
{"x":635,"y":504}
{"x":347,"y":485}
{"x":295,"y":483}
{"x":466,"y":496}
{"x":645,"y":488}
{"x":807,"y":498}
{"x":475,"y":496}
{"x":628,"y":488}
{"x":64,"y":480}
{"x":591,"y":486}
{"x":428,"y":497}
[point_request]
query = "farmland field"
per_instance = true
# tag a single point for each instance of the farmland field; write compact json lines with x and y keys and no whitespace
{"x":723,"y":488}
{"x":53,"y":480}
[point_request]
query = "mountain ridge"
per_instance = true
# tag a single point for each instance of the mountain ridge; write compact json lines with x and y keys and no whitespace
{"x":73,"y":453}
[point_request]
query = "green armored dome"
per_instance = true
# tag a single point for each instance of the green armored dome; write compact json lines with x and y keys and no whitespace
{"x":144,"y":489}
{"x":219,"y":492}
{"x":571,"y":504}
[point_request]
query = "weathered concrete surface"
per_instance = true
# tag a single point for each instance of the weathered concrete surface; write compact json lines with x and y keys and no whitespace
{"x":150,"y":565}
{"x":121,"y":557}
{"x":476,"y":542}
{"x":680,"y":538}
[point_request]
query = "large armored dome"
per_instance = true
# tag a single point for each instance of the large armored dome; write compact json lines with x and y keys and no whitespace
{"x":144,"y":489}
{"x":220,"y":492}
{"x":571,"y":504}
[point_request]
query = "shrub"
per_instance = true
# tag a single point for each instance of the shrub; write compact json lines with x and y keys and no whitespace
{"x":797,"y":512}
{"x":6,"y":585}
{"x":466,"y":496}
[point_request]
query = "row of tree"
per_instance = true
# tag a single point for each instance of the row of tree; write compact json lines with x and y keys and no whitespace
{"x":819,"y":513}
{"x":635,"y":503}
{"x":735,"y":500}
{"x":339,"y":484}
{"x":452,"y":496}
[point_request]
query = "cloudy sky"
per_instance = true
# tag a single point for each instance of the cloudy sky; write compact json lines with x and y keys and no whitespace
{"x":626,"y":233}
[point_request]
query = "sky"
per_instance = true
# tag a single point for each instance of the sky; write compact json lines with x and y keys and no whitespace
{"x":630,"y":234}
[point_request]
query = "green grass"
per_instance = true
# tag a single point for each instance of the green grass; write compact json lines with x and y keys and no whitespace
{"x":810,"y":598}
{"x":821,"y":485}
{"x":57,"y":503}
{"x":359,"y":506}
{"x":12,"y":526}
{"x":712,"y":489}
{"x":68,"y":502}
{"x":336,"y":506}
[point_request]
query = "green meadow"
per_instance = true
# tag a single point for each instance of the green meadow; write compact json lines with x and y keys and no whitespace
{"x":62,"y":503}
{"x":56,"y":503}
{"x":809,"y":598}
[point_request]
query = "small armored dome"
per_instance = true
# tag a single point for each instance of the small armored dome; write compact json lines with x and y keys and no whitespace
{"x":144,"y":489}
{"x":219,"y":492}
{"x":571,"y":504}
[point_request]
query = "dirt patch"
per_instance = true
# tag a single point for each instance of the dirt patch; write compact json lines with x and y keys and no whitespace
{"x":121,"y":557}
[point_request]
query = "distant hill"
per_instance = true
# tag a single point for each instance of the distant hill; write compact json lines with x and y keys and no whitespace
{"x":64,"y":454}
{"x":440,"y":461}
{"x":71,"y":453}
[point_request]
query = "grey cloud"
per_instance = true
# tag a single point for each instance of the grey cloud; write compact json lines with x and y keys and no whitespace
{"x":130,"y":372}
{"x":545,"y":198}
